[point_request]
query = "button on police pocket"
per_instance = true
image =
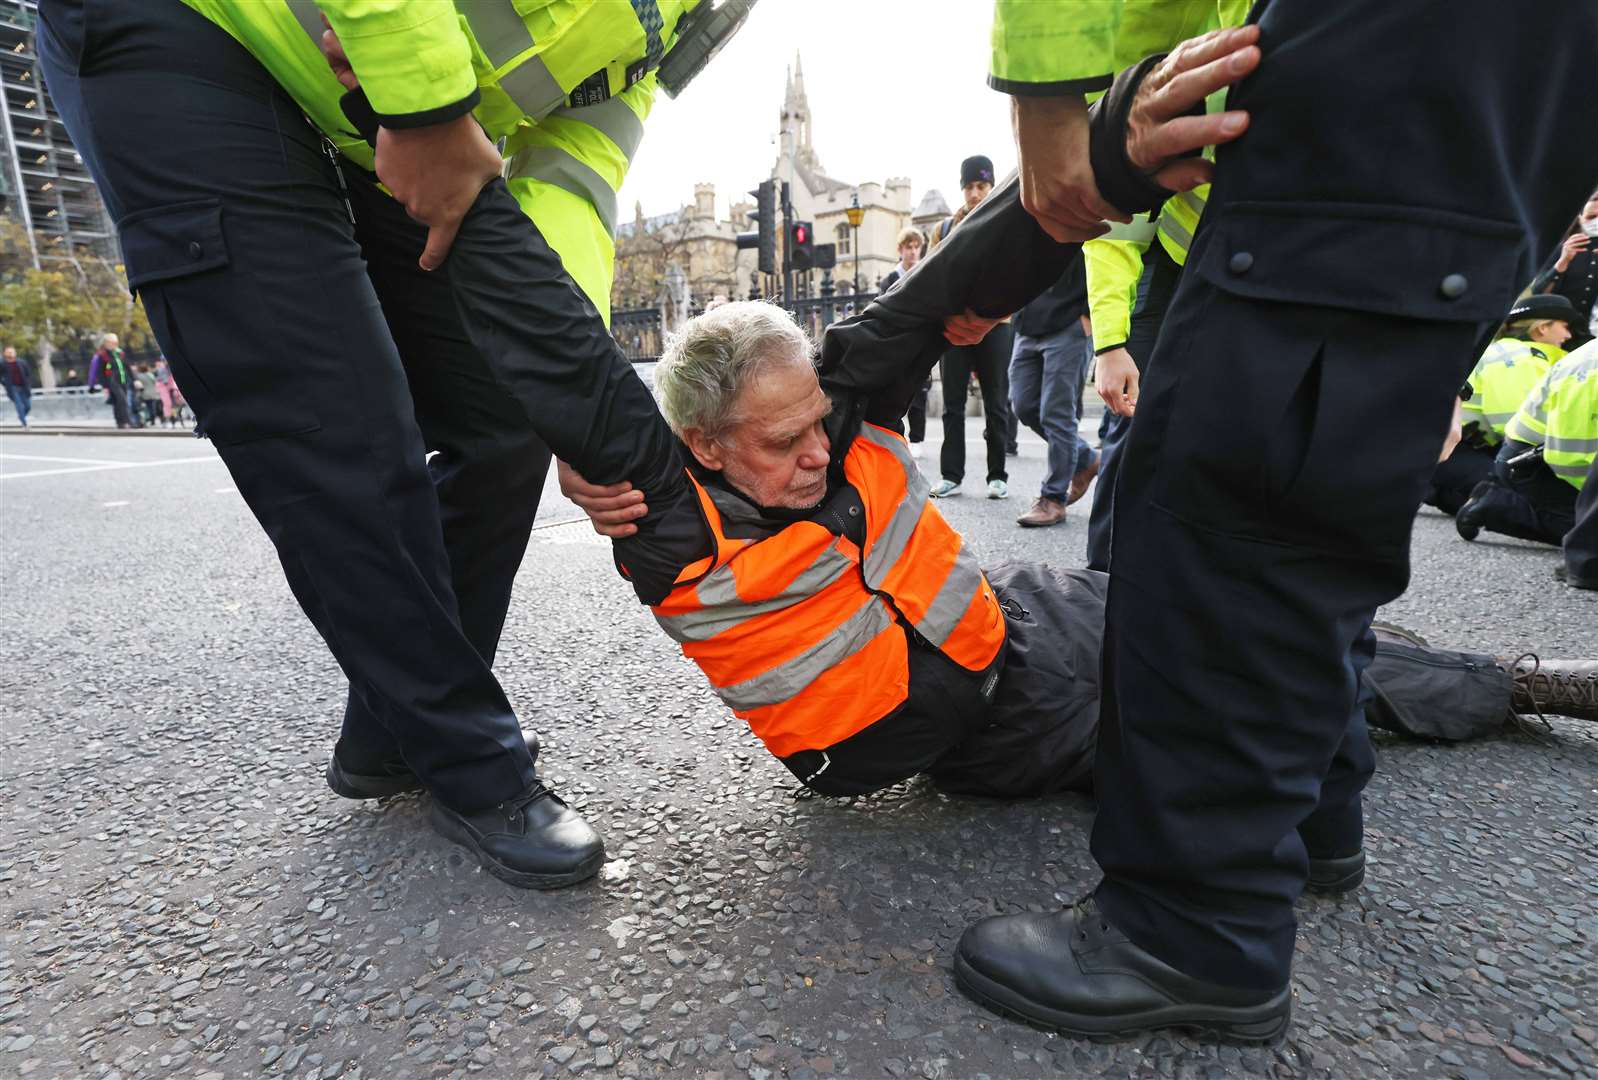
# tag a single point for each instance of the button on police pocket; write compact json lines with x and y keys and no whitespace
{"x":1453,"y":286}
{"x":1240,"y":263}
{"x":217,"y":325}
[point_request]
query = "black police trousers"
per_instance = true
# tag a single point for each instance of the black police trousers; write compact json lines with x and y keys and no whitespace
{"x":1526,"y":501}
{"x":1252,"y":543}
{"x":324,"y":366}
{"x":1581,"y":542}
{"x":989,"y":360}
{"x":1457,"y":475}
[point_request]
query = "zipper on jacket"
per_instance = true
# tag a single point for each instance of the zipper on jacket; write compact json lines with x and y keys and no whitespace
{"x":343,"y":189}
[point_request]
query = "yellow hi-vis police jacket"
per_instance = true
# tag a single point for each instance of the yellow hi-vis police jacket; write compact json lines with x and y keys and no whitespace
{"x":1507,"y":372}
{"x":567,"y":84}
{"x":1561,"y":416}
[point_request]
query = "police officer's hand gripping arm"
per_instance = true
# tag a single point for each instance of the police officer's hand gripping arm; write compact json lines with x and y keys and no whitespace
{"x":545,"y":338}
{"x":1047,"y":62}
{"x":431,"y":153}
{"x":1008,"y":250}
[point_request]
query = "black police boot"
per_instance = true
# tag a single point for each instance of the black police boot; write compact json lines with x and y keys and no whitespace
{"x":1468,"y":521}
{"x":1071,"y":971}
{"x":389,"y":778}
{"x":534,"y":841}
{"x":1336,"y":874}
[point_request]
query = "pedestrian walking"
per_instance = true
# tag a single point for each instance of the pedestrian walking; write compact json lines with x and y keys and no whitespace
{"x":987,"y":362}
{"x":109,"y":365}
{"x":442,"y":348}
{"x":1249,"y":555}
{"x":149,"y":394}
{"x":17,"y":374}
{"x":1047,"y":369}
{"x":166,"y":389}
{"x":910,"y":244}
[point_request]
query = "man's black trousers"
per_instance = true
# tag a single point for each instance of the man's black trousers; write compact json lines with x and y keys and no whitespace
{"x":989,"y":359}
{"x":324,"y":366}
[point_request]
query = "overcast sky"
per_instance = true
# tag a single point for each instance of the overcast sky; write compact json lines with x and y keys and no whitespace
{"x":896,"y":88}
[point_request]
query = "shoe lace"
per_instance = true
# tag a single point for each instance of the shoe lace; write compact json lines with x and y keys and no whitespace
{"x":1528,"y":681}
{"x":1085,"y":910}
{"x":512,"y":808}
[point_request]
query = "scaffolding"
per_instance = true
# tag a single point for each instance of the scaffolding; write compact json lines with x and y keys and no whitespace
{"x":45,"y":188}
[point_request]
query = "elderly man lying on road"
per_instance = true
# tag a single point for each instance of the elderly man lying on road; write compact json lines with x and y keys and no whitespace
{"x":833,"y":608}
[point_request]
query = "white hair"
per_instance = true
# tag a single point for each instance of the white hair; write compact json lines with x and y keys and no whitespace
{"x":713,"y":357}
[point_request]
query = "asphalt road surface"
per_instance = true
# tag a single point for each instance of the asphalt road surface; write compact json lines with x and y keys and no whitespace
{"x":181,"y":895}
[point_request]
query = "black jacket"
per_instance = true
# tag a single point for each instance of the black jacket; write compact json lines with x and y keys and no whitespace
{"x":1578,"y":284}
{"x":1454,"y":172}
{"x":1064,"y":303}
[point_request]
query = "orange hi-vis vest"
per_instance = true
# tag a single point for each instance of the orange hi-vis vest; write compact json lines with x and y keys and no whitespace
{"x":798,"y":633}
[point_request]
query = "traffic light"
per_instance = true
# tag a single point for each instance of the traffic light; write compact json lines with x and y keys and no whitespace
{"x":764,"y":238}
{"x":801,"y":246}
{"x":824,"y":256}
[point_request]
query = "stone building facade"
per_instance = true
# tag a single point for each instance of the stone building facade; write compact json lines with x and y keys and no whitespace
{"x":703,"y":250}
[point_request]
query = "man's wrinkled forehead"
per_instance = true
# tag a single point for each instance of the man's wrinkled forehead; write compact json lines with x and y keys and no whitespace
{"x":782,"y":400}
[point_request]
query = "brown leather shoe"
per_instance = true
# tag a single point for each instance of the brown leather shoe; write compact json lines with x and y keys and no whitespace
{"x":1561,"y":687}
{"x":1044,"y":512}
{"x":1080,"y":482}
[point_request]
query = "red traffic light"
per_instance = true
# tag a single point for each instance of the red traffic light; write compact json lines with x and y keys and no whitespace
{"x":801,"y":234}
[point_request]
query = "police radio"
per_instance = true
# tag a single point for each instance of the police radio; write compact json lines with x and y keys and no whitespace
{"x":700,"y":35}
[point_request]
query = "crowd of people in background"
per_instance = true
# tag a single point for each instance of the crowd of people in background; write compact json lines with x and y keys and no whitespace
{"x":139,"y":394}
{"x":1520,"y":461}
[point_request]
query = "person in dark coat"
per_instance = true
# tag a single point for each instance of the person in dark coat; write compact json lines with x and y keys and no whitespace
{"x":16,"y":374}
{"x":110,"y":369}
{"x":911,"y":244}
{"x":1048,"y":365}
{"x":986,"y":360}
{"x":1573,"y":274}
{"x":1397,"y":172}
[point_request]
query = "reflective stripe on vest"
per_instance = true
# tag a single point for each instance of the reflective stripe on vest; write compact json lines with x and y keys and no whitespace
{"x":718,"y":592}
{"x":1503,"y":381}
{"x":788,"y":679}
{"x":499,"y":29}
{"x":501,"y":34}
{"x":797,"y":632}
{"x":964,"y":581}
{"x":553,"y":165}
{"x":309,"y":16}
{"x":1178,"y":221}
{"x":1560,"y":444}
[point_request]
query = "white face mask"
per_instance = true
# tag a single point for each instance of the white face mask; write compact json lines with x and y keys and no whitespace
{"x":1590,"y":226}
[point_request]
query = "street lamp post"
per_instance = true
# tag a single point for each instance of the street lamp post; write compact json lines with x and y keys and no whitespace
{"x":856,"y":214}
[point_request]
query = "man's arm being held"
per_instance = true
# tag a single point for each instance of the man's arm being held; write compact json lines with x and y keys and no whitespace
{"x":1005,"y":254}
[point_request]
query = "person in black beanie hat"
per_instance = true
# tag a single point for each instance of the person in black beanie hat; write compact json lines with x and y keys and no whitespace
{"x":988,"y":360}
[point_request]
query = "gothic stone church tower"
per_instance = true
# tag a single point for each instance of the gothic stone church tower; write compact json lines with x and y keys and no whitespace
{"x":823,"y":199}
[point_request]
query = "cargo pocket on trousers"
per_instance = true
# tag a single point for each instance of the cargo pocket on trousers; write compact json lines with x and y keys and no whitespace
{"x":214,"y":326}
